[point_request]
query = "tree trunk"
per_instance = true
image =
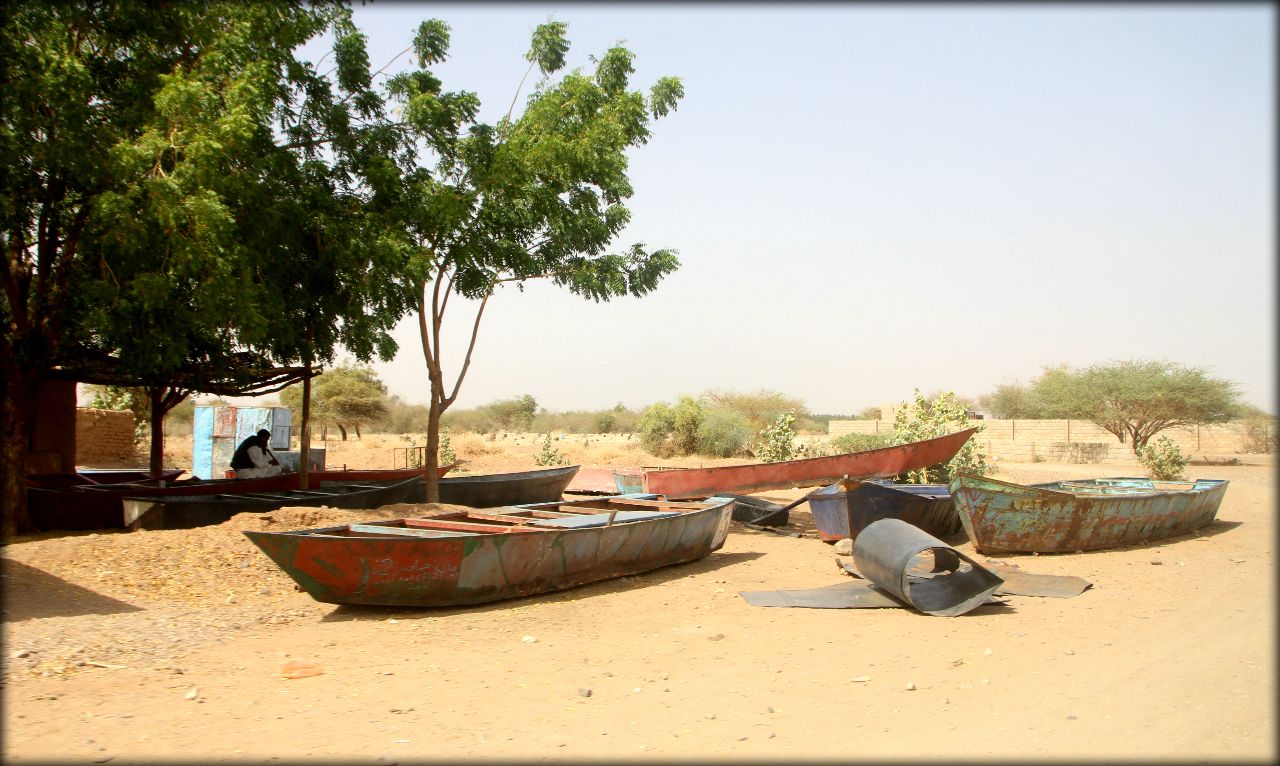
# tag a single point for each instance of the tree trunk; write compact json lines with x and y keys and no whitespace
{"x":432,"y":458}
{"x":156,"y":395}
{"x":343,"y":430}
{"x":304,"y":446}
{"x":17,"y":398}
{"x":357,"y":427}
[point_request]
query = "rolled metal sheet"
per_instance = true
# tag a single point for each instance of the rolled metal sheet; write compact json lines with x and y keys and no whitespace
{"x":885,"y":550}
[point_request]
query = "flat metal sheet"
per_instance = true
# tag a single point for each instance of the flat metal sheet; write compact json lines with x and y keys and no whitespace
{"x":1016,"y":581}
{"x":845,"y":595}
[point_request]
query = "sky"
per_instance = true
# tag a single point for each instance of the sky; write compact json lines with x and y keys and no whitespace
{"x":868,"y":199}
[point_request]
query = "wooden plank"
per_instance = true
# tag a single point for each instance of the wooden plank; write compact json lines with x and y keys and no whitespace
{"x":374,"y":529}
{"x":463,"y":526}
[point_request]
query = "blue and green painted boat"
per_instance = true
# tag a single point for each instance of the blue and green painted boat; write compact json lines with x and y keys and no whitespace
{"x":1080,"y":515}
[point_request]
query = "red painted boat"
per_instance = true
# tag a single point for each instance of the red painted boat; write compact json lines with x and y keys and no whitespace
{"x":102,"y":506}
{"x":455,"y":559}
{"x":680,"y":483}
{"x":593,"y":481}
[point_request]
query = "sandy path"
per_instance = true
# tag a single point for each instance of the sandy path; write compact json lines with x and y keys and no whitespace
{"x":1167,"y":660}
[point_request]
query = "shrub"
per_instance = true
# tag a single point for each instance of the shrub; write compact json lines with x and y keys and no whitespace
{"x":686,"y":418}
{"x":722,"y":433}
{"x":862,"y":442}
{"x":655,"y":427}
{"x":549,"y":454}
{"x":927,"y":418}
{"x":777,"y":441}
{"x":1162,"y":458}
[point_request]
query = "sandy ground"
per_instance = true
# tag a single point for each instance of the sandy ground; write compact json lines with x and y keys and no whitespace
{"x":170,"y":646}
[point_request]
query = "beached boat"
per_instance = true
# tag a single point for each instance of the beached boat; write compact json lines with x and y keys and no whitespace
{"x":97,"y":476}
{"x":1080,"y":515}
{"x":454,"y":559}
{"x":101,"y":506}
{"x":187,"y":511}
{"x":491,"y":490}
{"x":844,"y":509}
{"x":593,"y":480}
{"x":807,"y":472}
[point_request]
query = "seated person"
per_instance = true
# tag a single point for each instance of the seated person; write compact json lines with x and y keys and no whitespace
{"x":253,"y":457}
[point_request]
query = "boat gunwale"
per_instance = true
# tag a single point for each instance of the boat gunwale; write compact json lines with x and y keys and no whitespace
{"x":1041,"y":488}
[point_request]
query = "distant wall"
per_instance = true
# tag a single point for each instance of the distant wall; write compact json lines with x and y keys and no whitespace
{"x":1080,"y":441}
{"x":103,"y":436}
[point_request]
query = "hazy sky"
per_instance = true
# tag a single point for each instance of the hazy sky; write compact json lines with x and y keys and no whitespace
{"x":870,"y":198}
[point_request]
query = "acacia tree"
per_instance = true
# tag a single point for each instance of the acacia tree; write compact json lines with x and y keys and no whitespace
{"x":537,"y":195}
{"x":1135,"y":400}
{"x":346,"y":396}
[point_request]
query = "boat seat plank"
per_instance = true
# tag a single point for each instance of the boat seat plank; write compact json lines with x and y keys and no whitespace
{"x":463,"y":526}
{"x":374,"y":529}
{"x":601,"y":519}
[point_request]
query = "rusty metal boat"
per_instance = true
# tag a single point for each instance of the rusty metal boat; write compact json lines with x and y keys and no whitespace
{"x":1080,"y":515}
{"x":188,"y":511}
{"x":101,"y":506}
{"x":455,"y":559}
{"x":544,"y":485}
{"x":844,"y":509}
{"x":681,"y":483}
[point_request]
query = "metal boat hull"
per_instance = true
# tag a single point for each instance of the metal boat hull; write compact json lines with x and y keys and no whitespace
{"x":474,"y":568}
{"x":1069,"y":516}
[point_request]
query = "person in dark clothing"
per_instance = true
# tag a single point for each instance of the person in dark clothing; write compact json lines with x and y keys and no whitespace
{"x":253,"y":457}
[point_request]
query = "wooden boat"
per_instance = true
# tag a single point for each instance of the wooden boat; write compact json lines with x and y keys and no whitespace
{"x":96,"y":476}
{"x":455,"y":559}
{"x":590,"y":480}
{"x":187,"y":511}
{"x":806,"y":472}
{"x":491,"y":490}
{"x":844,"y":509}
{"x":102,"y":507}
{"x":1080,"y":515}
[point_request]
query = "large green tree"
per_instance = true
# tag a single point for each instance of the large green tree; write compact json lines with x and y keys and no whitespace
{"x":539,"y":194}
{"x":179,"y":188}
{"x":1133,"y":399}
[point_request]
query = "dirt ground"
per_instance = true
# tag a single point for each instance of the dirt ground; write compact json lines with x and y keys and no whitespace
{"x":170,"y":645}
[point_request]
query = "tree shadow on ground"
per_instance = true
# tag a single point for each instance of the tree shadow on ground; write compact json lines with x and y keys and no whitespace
{"x":31,"y":593}
{"x":715,"y":561}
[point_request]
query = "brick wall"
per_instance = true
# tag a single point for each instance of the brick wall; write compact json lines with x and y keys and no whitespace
{"x":1080,"y":441}
{"x":104,"y":436}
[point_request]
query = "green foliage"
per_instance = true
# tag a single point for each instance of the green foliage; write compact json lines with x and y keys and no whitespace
{"x":447,"y":454}
{"x":777,"y":440}
{"x":722,"y":432}
{"x":862,"y":442}
{"x":760,"y":408}
{"x":1135,"y":400}
{"x":347,"y":397}
{"x":1162,"y":458}
{"x":131,"y":399}
{"x":549,"y":455}
{"x":403,"y":417}
{"x":655,"y":427}
{"x":938,"y":416}
{"x":686,"y":421}
{"x":514,"y":414}
{"x":540,"y":194}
